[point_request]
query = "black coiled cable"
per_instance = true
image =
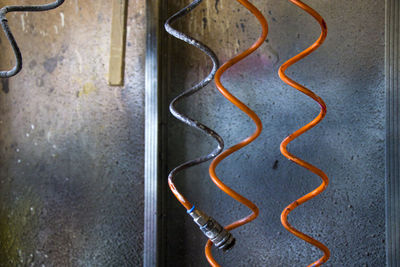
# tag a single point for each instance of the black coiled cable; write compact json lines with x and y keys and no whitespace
{"x":4,"y":24}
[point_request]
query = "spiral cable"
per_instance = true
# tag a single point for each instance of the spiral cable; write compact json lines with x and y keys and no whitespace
{"x":189,"y":121}
{"x":245,"y":142}
{"x":4,"y":24}
{"x":307,"y":127}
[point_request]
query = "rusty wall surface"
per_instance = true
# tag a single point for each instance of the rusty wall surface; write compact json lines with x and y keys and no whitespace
{"x":71,"y":147}
{"x":347,"y":72}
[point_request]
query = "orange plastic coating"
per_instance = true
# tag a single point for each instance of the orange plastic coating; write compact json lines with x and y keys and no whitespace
{"x":246,"y":141}
{"x":302,"y":130}
{"x":178,"y":195}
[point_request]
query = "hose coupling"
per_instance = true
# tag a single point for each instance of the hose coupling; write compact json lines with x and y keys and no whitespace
{"x":221,"y":238}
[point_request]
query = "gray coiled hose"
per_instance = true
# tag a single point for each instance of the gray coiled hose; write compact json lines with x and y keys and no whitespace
{"x":211,"y":228}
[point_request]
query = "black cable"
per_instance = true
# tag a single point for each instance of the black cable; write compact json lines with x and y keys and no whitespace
{"x":4,"y":24}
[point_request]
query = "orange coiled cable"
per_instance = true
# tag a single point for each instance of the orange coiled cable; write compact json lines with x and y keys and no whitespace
{"x":246,"y":141}
{"x":302,"y":130}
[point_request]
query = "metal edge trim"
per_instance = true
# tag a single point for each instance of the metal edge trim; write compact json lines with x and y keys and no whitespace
{"x":392,"y":189}
{"x":152,"y":137}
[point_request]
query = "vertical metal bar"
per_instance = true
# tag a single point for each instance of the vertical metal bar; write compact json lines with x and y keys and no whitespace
{"x":388,"y":74}
{"x":152,"y":138}
{"x":392,"y":40}
{"x":164,"y":68}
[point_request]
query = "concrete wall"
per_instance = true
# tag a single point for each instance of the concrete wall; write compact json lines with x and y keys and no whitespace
{"x":347,"y":72}
{"x":71,"y":147}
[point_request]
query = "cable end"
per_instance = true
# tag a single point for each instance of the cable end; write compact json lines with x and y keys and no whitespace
{"x":214,"y":231}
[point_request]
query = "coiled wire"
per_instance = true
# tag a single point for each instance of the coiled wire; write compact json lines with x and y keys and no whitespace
{"x":189,"y":121}
{"x":302,"y":130}
{"x":246,"y":141}
{"x":4,"y":24}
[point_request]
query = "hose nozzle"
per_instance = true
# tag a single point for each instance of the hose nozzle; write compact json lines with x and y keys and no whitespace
{"x":221,"y":238}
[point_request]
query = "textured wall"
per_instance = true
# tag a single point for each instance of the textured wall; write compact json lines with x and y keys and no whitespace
{"x":71,"y":147}
{"x":347,"y":72}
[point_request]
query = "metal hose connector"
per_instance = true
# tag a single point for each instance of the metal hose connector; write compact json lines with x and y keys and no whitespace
{"x":214,"y":231}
